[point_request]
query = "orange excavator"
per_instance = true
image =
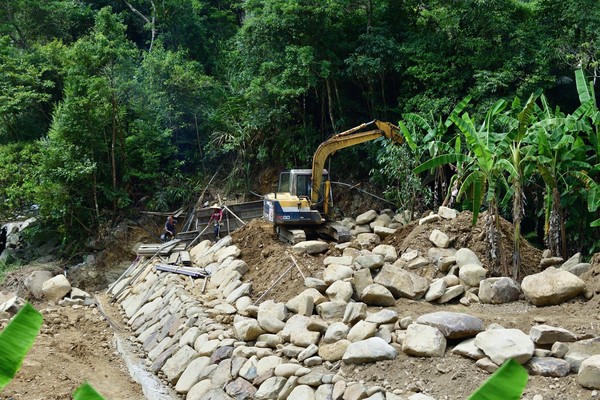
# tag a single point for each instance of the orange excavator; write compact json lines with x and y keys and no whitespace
{"x":304,"y":201}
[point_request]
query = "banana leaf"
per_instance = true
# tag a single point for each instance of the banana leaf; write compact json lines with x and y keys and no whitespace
{"x":507,"y":383}
{"x":86,"y":392}
{"x":582,"y":87}
{"x":441,"y":160}
{"x":16,"y":340}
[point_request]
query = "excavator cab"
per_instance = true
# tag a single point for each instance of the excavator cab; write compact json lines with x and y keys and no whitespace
{"x":292,"y":206}
{"x":298,"y":182}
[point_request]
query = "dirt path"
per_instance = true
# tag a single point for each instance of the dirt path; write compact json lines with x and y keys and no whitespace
{"x":75,"y":345}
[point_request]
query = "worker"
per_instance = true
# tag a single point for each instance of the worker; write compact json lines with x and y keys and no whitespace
{"x":216,"y":217}
{"x":169,"y":232}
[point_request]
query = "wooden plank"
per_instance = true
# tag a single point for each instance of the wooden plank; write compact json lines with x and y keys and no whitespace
{"x":179,"y":247}
{"x":185,"y":258}
{"x":174,"y":258}
{"x":168,"y":247}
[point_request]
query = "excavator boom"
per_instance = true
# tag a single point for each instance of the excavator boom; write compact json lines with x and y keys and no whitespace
{"x":345,"y":139}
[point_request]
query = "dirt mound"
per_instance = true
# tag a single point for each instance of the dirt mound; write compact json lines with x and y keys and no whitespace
{"x":463,"y":234}
{"x":592,"y":279}
{"x":268,"y":258}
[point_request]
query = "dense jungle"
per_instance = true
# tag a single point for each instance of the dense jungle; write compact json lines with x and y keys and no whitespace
{"x":108,"y":107}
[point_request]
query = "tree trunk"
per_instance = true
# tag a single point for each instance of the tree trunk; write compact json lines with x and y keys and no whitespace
{"x":113,"y":157}
{"x":553,"y":240}
{"x":493,"y":237}
{"x":199,"y":143}
{"x":330,"y":105}
{"x":518,"y":212}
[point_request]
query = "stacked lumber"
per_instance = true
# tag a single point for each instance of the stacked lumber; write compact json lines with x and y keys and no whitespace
{"x":164,"y":249}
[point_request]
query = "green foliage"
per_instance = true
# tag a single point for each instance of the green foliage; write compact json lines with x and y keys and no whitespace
{"x":404,"y":187}
{"x":17,"y":166}
{"x":507,"y":383}
{"x":86,"y":392}
{"x":101,"y":107}
{"x":23,"y":89}
{"x":16,"y":340}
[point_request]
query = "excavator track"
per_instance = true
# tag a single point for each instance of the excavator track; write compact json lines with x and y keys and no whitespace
{"x":335,"y":231}
{"x":291,"y":236}
{"x":328,"y":231}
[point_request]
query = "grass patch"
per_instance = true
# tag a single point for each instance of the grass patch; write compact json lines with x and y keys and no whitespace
{"x":8,"y":265}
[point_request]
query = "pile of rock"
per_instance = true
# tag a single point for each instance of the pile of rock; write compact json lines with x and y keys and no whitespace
{"x":379,"y":275}
{"x":43,"y":285}
{"x":218,"y":344}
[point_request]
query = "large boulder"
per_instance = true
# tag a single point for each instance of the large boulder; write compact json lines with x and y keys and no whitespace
{"x":472,"y":274}
{"x":388,"y":252}
{"x":447,"y":213}
{"x":246,"y":329}
{"x":424,"y":341}
{"x":34,"y":282}
{"x":311,"y":247}
{"x":439,"y":238}
{"x":56,"y":288}
{"x":453,"y":325}
{"x":548,"y":366}
{"x":402,"y":283}
{"x":367,"y":240}
{"x":589,"y":373}
{"x":545,"y":334}
{"x":501,"y":344}
{"x":294,"y":303}
{"x":499,"y":290}
{"x":369,"y":261}
{"x":366,"y":217}
{"x":377,"y":295}
{"x":336,"y":272}
{"x":466,"y":256}
{"x":551,"y":286}
{"x":369,"y":350}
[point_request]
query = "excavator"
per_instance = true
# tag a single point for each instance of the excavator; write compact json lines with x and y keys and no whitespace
{"x":303,"y":202}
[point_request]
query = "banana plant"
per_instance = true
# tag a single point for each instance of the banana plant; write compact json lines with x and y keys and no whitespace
{"x":429,"y":139}
{"x":16,"y":340}
{"x":484,"y":173}
{"x":519,"y":166}
{"x":561,"y":156}
{"x":592,"y":117}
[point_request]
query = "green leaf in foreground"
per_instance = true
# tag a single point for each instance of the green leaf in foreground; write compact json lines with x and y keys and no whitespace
{"x":507,"y":383}
{"x":86,"y":392}
{"x":16,"y":340}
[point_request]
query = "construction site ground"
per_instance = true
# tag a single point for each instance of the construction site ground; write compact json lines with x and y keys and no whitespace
{"x":76,"y":345}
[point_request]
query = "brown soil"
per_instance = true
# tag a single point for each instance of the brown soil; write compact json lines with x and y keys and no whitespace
{"x":592,"y":279}
{"x":74,"y":345}
{"x":268,"y":259}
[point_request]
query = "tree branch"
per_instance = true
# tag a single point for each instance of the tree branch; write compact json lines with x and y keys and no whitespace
{"x":152,"y":22}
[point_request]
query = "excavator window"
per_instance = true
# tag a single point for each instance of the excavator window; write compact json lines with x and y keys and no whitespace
{"x":303,"y":185}
{"x":284,"y":182}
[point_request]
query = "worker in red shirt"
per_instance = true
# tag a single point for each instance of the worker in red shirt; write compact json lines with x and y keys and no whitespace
{"x":216,"y":217}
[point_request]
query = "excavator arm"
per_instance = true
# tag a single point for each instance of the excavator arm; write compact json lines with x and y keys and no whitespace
{"x":342,"y":140}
